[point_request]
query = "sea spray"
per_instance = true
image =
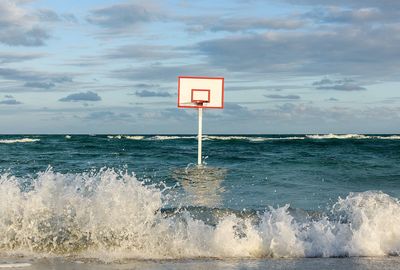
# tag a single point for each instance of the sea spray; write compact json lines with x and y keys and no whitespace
{"x":374,"y":221}
{"x":111,"y":215}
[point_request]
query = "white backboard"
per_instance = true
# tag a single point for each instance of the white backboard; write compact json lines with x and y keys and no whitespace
{"x":200,"y":92}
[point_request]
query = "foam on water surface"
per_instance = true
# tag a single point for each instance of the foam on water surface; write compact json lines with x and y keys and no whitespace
{"x":253,"y":138}
{"x":23,"y":140}
{"x":351,"y":136}
{"x":110,"y":215}
{"x":162,"y":138}
{"x":135,"y":138}
{"x":257,"y":138}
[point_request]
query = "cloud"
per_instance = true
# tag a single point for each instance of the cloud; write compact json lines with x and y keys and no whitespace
{"x":50,"y":16}
{"x":351,"y":12}
{"x":10,"y":102}
{"x":346,"y":84}
{"x":34,"y":80}
{"x":323,"y":82}
{"x":341,"y":15}
{"x":332,"y":99}
{"x":27,"y":75}
{"x":386,"y":5}
{"x":47,"y":15}
{"x":121,"y":17}
{"x":327,"y":81}
{"x":145,"y":52}
{"x":19,"y":26}
{"x":88,"y":96}
{"x":163,"y":73}
{"x":216,"y":24}
{"x":283,"y":96}
{"x":234,"y":110}
{"x":18,"y":57}
{"x":147,"y":93}
{"x":342,"y":87}
{"x":125,"y":17}
{"x":31,"y":37}
{"x":107,"y":116}
{"x":172,"y":113}
{"x":61,"y":79}
{"x":371,"y":52}
{"x":43,"y":85}
{"x":69,"y":17}
{"x":146,"y":85}
{"x":8,"y":96}
{"x":13,"y":74}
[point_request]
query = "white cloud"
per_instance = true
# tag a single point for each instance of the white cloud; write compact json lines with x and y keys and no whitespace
{"x":19,"y":25}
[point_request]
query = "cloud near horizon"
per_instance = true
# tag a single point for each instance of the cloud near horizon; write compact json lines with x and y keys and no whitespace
{"x":10,"y":101}
{"x":283,"y":96}
{"x":148,"y":93}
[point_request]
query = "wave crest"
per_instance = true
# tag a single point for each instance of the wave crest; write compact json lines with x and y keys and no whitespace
{"x":111,"y":215}
{"x":23,"y":140}
{"x":351,"y":136}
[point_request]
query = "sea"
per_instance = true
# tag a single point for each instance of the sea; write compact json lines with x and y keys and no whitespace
{"x":303,"y":201}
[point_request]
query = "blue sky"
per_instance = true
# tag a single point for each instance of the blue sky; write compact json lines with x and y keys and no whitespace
{"x":303,"y":66}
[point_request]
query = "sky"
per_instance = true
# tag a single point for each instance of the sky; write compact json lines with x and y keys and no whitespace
{"x":290,"y":66}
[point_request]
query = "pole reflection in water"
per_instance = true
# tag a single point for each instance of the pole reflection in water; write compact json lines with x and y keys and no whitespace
{"x":202,"y":184}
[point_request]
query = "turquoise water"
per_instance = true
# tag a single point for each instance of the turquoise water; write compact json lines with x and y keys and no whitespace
{"x":141,"y":197}
{"x":260,"y":170}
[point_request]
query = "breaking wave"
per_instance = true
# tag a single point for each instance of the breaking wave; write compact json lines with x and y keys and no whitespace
{"x":111,"y":215}
{"x":351,"y":136}
{"x":205,"y":137}
{"x":162,"y":138}
{"x":23,"y":140}
{"x":258,"y":138}
{"x":250,"y":138}
{"x":119,"y":137}
{"x":135,"y":138}
{"x":338,"y":136}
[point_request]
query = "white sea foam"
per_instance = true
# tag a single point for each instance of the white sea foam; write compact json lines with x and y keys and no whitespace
{"x":250,"y":138}
{"x":109,"y":215}
{"x":259,"y":138}
{"x":23,"y":140}
{"x":119,"y":137}
{"x":351,"y":136}
{"x":338,"y":136}
{"x":225,"y":138}
{"x":392,"y":137}
{"x":114,"y":137}
{"x":135,"y":138}
{"x":162,"y":138}
{"x":68,"y":137}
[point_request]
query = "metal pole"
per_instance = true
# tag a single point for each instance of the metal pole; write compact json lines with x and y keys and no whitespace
{"x":199,"y":136}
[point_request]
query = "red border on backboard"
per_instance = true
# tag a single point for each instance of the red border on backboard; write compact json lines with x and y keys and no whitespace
{"x":198,"y":100}
{"x":199,"y":77}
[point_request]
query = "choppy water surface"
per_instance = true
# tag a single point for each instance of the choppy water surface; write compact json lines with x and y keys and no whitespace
{"x":140,"y":197}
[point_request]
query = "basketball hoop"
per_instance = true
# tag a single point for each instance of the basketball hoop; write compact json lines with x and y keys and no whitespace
{"x":199,"y":93}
